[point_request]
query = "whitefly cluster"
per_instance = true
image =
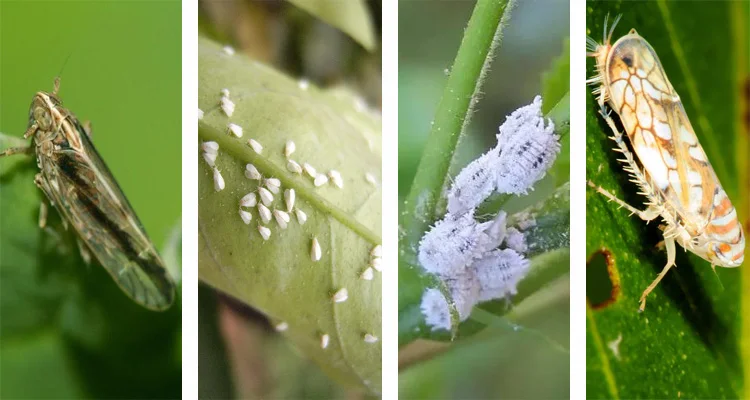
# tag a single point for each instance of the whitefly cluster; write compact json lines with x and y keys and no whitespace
{"x":484,"y":261}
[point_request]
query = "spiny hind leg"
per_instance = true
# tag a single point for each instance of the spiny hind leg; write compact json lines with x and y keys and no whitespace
{"x":671,"y":253}
{"x":43,"y":214}
{"x":16,"y":150}
{"x":647,"y":215}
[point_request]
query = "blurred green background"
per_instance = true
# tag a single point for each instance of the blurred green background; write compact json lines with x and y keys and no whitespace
{"x":66,"y":329}
{"x":495,"y":362}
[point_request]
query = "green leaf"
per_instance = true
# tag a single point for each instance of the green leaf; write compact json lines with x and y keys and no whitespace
{"x":351,"y":17}
{"x":687,"y":341}
{"x":278,"y":276}
{"x":66,"y":321}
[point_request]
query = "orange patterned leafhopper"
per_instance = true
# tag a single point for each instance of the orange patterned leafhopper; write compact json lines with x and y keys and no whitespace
{"x":667,"y":161}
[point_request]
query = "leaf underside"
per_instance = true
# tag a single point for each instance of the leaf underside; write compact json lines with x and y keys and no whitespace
{"x":278,"y":276}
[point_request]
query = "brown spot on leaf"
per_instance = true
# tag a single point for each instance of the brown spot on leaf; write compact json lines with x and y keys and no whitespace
{"x":602,"y":280}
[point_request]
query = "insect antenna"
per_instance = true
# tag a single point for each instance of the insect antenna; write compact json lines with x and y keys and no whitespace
{"x":611,"y":29}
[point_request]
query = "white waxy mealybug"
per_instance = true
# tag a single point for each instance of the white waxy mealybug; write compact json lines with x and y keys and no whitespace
{"x":310,"y":170}
{"x":264,"y":232}
{"x":265,"y":196}
{"x":246,"y":216}
{"x":281,"y":326}
{"x":249,"y":200}
{"x":301,"y":216}
{"x":273,"y":184}
{"x":292,"y":166}
{"x":320,"y":180}
{"x":235,"y":130}
{"x":370,"y":338}
{"x":324,"y":339}
{"x":474,"y":183}
{"x":667,"y":163}
{"x":227,"y":106}
{"x":289,"y":197}
{"x":228,"y":50}
{"x":225,"y":92}
{"x":435,"y":309}
{"x":376,"y":263}
{"x":252,"y":173}
{"x":210,"y":159}
{"x":315,"y":252}
{"x":200,"y":114}
{"x":303,"y":84}
{"x":210,"y":147}
{"x":371,"y":179}
{"x":264,"y":212}
{"x":340,"y":296}
{"x":257,"y":147}
{"x":336,"y":178}
{"x":289,"y":148}
{"x":282,"y":218}
{"x":367,"y":274}
{"x":218,"y":180}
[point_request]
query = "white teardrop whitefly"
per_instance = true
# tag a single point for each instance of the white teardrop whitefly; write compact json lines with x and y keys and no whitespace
{"x":367,"y":274}
{"x":289,"y":197}
{"x":257,"y":147}
{"x":251,"y":172}
{"x":246,"y":216}
{"x":289,"y":148}
{"x":218,"y":180}
{"x":210,"y":159}
{"x":315,"y":251}
{"x":264,"y":232}
{"x":336,"y":178}
{"x":235,"y":130}
{"x":282,"y":218}
{"x":320,"y":180}
{"x":324,"y":339}
{"x":249,"y":200}
{"x":370,"y":338}
{"x":310,"y":170}
{"x":292,"y":166}
{"x":210,"y":147}
{"x":265,"y":196}
{"x":264,"y":212}
{"x":301,"y":216}
{"x":341,"y":295}
{"x":273,"y":184}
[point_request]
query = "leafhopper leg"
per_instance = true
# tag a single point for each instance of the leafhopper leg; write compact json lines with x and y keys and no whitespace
{"x":16,"y":150}
{"x":647,"y":215}
{"x":671,"y":253}
{"x":42,"y":215}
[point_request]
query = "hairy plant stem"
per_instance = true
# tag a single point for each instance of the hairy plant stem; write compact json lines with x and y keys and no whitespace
{"x":481,"y":37}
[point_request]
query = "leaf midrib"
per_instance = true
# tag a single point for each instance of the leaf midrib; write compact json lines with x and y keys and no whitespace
{"x":243,"y":153}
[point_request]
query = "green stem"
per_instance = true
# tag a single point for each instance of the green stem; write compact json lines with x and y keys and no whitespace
{"x":481,"y":37}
